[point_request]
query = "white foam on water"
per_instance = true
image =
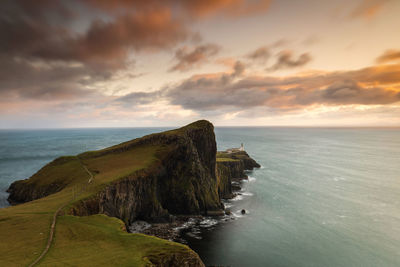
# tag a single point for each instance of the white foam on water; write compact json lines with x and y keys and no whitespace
{"x":208,"y":222}
{"x":227,"y":205}
{"x":193,"y":235}
{"x":237,"y":197}
{"x":186,"y":225}
{"x":237,"y":215}
{"x":252,"y":179}
{"x":339,"y":178}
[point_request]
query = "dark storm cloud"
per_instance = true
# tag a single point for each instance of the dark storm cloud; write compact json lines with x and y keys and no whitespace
{"x":189,"y":58}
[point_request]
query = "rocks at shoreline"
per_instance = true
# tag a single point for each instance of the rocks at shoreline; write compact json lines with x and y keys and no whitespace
{"x":230,"y":172}
{"x":157,"y":185}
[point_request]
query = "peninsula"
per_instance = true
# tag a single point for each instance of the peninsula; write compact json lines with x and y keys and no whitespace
{"x":77,"y":206}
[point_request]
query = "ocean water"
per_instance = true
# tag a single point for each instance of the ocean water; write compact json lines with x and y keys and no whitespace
{"x":323,"y":197}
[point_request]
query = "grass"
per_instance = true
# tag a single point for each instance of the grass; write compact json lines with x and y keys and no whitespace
{"x":80,"y":241}
{"x":102,"y":242}
{"x":225,"y":157}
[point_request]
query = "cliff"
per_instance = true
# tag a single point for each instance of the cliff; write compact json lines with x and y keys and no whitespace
{"x":150,"y":178}
{"x":180,"y":180}
{"x":231,"y":166}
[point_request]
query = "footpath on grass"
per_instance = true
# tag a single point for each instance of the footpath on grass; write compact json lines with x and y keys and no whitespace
{"x":53,"y":223}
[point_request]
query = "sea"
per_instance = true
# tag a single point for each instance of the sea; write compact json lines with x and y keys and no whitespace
{"x":323,"y":196}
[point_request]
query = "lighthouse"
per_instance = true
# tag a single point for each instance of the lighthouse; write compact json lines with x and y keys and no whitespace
{"x":241,"y":147}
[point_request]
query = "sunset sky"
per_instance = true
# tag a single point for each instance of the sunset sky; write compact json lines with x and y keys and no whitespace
{"x":128,"y":63}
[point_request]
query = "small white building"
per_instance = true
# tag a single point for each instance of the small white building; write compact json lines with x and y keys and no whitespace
{"x":236,"y":149}
{"x":241,"y":147}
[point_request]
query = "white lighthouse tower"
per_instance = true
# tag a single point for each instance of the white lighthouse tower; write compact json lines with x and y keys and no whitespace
{"x":241,"y":147}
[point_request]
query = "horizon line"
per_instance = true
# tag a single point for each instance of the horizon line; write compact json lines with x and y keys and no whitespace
{"x":216,"y":126}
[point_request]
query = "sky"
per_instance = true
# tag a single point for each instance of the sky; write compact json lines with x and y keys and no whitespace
{"x":134,"y":63}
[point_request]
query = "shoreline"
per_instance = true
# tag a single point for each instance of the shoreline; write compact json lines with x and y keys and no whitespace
{"x":193,"y":225}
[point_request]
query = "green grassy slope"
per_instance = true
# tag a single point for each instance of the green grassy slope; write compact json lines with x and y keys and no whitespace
{"x":224,"y":156}
{"x":101,"y":241}
{"x":80,"y":241}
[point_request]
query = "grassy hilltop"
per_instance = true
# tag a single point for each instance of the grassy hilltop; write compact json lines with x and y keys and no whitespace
{"x":100,"y":240}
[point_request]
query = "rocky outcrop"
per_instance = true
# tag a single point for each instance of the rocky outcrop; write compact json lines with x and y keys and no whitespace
{"x":224,"y":179}
{"x":177,"y":259}
{"x":248,"y":162}
{"x":230,"y":169}
{"x":37,"y":187}
{"x":183,"y":181}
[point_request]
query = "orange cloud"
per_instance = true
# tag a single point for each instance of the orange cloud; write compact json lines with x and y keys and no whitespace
{"x":378,"y":85}
{"x":230,"y":7}
{"x":368,"y":8}
{"x":389,"y":55}
{"x":197,"y":8}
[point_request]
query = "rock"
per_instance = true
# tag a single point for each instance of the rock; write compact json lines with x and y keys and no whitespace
{"x":215,"y":213}
{"x":243,"y":211}
{"x":183,"y":182}
{"x":177,"y":259}
{"x":230,"y":171}
{"x":183,"y":178}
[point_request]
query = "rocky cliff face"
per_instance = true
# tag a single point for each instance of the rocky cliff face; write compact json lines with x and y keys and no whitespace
{"x":51,"y":179}
{"x":181,"y":260}
{"x":248,"y":162}
{"x":183,"y":181}
{"x":231,"y":167}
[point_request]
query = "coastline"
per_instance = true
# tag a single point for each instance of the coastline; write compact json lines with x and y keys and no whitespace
{"x":156,"y":178}
{"x":183,"y":227}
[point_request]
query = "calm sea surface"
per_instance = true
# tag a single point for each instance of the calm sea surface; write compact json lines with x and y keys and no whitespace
{"x":323,"y":197}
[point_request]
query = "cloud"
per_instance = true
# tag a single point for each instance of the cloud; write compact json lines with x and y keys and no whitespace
{"x":285,"y":60}
{"x":222,"y":92}
{"x":368,"y":8}
{"x":389,"y":55}
{"x":238,"y":69}
{"x":193,"y":8}
{"x":139,"y":98}
{"x":105,"y":44}
{"x":71,"y":45}
{"x":188,"y":59}
{"x":227,"y":7}
{"x":27,"y":79}
{"x":44,"y":29}
{"x":261,"y":54}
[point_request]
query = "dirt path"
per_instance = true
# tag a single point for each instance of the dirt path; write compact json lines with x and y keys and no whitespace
{"x":53,"y":223}
{"x":90,"y":174}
